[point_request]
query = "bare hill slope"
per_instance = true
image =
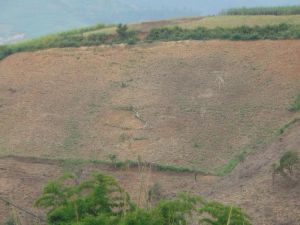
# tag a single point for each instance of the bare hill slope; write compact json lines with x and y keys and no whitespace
{"x":194,"y":104}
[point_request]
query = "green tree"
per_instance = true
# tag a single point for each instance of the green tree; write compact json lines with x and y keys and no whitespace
{"x":101,"y":201}
{"x":223,"y":215}
{"x":97,"y":199}
{"x":122,"y":31}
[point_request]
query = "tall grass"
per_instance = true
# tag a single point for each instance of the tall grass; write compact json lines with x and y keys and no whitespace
{"x":280,"y":10}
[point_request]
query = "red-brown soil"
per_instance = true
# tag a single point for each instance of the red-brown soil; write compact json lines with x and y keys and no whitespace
{"x":249,"y":186}
{"x":189,"y":103}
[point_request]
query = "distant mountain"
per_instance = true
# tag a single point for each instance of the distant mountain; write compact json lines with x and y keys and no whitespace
{"x":32,"y":18}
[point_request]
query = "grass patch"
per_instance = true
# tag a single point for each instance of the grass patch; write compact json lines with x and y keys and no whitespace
{"x":295,"y":105}
{"x":279,"y":10}
{"x":69,"y":163}
{"x":128,"y":108}
{"x":72,"y":127}
{"x":211,"y":22}
{"x":282,"y":129}
{"x":154,"y":166}
{"x":93,"y":108}
{"x":231,"y":164}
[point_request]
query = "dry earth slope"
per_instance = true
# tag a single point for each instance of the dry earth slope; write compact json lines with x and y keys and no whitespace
{"x":186,"y":103}
{"x":189,"y":103}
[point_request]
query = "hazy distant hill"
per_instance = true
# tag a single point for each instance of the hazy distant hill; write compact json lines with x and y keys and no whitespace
{"x":37,"y":17}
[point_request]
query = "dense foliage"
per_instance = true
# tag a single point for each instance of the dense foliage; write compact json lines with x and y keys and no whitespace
{"x":280,"y":10}
{"x":101,"y":200}
{"x":281,"y":31}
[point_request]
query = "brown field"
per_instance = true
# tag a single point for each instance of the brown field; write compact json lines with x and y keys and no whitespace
{"x":195,"y":104}
{"x":249,"y":186}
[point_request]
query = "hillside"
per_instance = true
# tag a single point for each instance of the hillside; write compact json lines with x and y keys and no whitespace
{"x":249,"y":186}
{"x":191,"y":104}
{"x":178,"y":107}
{"x":41,"y":17}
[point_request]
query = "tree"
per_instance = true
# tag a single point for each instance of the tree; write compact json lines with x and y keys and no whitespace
{"x":97,"y":199}
{"x":122,"y":31}
{"x":101,"y":201}
{"x":287,"y":163}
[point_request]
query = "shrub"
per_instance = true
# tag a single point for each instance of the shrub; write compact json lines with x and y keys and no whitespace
{"x":295,"y":105}
{"x":287,"y":163}
{"x":101,"y":200}
{"x":122,"y":31}
{"x":155,"y":193}
{"x":224,"y":215}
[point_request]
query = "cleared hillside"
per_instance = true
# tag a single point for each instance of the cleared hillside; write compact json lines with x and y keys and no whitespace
{"x":192,"y":104}
{"x":249,"y":186}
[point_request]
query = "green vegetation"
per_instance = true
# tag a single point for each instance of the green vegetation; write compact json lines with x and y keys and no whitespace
{"x":211,"y":22}
{"x":100,"y":200}
{"x":229,"y":167}
{"x":280,"y":10}
{"x":282,"y":31}
{"x":282,"y":129}
{"x":287,"y":163}
{"x":73,"y":38}
{"x":10,"y":221}
{"x":295,"y":105}
{"x":89,"y":37}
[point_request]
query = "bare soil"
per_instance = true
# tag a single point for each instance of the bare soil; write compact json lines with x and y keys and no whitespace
{"x":249,"y":186}
{"x":191,"y":103}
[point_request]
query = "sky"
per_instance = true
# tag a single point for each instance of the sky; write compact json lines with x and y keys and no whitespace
{"x":21,"y":19}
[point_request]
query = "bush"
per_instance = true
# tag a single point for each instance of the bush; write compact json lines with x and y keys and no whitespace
{"x":122,"y":31}
{"x":287,"y":163}
{"x":101,"y":200}
{"x":155,"y":193}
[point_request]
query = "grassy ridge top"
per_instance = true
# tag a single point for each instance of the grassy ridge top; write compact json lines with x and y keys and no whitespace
{"x":197,"y":28}
{"x":279,"y":10}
